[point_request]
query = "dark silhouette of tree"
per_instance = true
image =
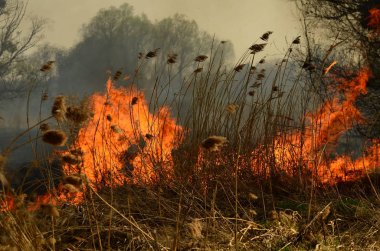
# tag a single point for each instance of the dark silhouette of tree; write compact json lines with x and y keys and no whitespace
{"x":114,"y":39}
{"x":348,"y":25}
{"x":179,"y":35}
{"x":14,"y":43}
{"x":111,"y":40}
{"x":347,"y":21}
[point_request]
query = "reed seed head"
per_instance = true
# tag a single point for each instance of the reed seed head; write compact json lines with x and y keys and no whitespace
{"x":266,"y":35}
{"x":134,"y":100}
{"x":297,"y":40}
{"x":116,"y":129}
{"x":149,"y":136}
{"x":172,"y":58}
{"x":117,"y":75}
{"x":44,"y":127}
{"x":54,"y":137}
{"x":45,"y":96}
{"x":47,"y":66}
{"x":214,"y":143}
{"x":198,"y":70}
{"x":260,"y":76}
{"x":71,"y":159}
{"x":200,"y":58}
{"x":69,"y":188}
{"x":257,"y":48}
{"x":74,"y":179}
{"x":76,"y":114}
{"x":239,"y":67}
{"x":59,"y":108}
{"x":77,"y":152}
{"x":152,"y":54}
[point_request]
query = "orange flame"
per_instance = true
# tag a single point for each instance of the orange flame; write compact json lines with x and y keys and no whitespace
{"x":123,"y":141}
{"x":346,"y":169}
{"x":374,"y":18}
{"x":325,"y":127}
{"x":11,"y":202}
{"x":42,"y":200}
{"x":7,"y":203}
{"x":329,"y":67}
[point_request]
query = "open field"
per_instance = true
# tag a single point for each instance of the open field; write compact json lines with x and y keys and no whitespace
{"x":240,"y":161}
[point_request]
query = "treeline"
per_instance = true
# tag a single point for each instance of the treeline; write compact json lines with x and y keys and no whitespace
{"x":117,"y":39}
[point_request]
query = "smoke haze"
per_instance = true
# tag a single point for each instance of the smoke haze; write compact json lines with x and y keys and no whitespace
{"x":241,"y":22}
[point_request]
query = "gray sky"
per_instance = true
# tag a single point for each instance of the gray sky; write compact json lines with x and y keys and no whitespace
{"x":241,"y":21}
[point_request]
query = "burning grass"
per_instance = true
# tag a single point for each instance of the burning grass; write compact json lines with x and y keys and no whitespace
{"x":113,"y":144}
{"x":134,"y":176}
{"x":374,"y":18}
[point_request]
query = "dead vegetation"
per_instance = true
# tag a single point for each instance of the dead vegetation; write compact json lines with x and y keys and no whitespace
{"x":250,"y":188}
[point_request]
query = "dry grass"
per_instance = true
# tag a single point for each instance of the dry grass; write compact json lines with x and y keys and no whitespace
{"x":212,"y":200}
{"x":202,"y":223}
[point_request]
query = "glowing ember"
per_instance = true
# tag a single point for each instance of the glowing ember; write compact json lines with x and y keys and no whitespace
{"x":11,"y":202}
{"x":7,"y":203}
{"x":42,"y":200}
{"x":329,"y":67}
{"x":374,"y":18}
{"x":124,"y":142}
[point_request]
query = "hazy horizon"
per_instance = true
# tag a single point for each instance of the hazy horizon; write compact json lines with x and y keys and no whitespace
{"x":241,"y":23}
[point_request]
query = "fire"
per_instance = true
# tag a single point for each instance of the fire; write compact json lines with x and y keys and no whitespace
{"x":329,"y":67}
{"x":324,"y":128}
{"x":346,"y":169}
{"x":124,"y":142}
{"x":310,"y":150}
{"x":11,"y":202}
{"x":42,"y":200}
{"x":374,"y":18}
{"x":7,"y":203}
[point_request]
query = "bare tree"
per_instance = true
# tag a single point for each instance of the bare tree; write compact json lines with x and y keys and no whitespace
{"x":14,"y":43}
{"x":355,"y":40}
{"x":348,"y":22}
